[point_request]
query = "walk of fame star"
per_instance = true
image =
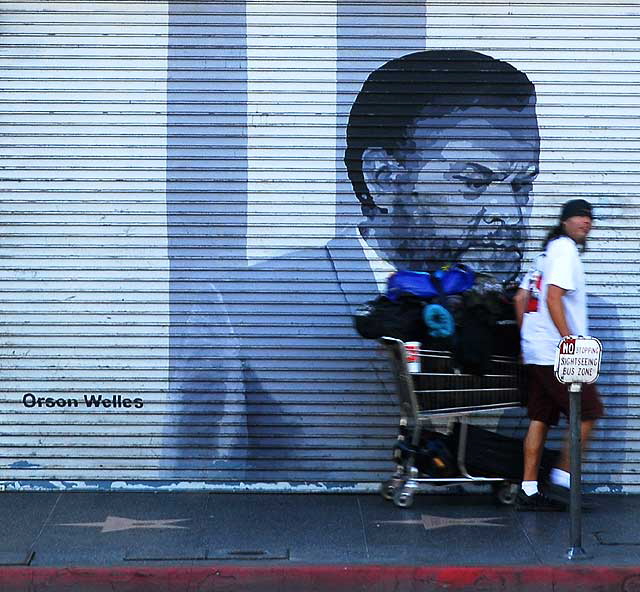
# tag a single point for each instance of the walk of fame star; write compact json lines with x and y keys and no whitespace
{"x":117,"y":523}
{"x":434,"y":522}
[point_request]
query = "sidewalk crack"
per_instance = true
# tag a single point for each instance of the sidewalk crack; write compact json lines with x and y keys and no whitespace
{"x":364,"y":531}
{"x":45,"y":522}
{"x":529,"y":540}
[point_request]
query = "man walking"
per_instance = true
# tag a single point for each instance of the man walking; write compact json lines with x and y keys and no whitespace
{"x":551,"y":304}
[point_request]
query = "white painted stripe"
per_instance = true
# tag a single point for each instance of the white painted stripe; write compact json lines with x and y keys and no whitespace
{"x":287,"y":161}
{"x":85,"y":262}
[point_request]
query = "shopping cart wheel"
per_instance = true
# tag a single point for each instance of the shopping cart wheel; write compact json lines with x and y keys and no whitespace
{"x":388,"y":488}
{"x":403,"y":498}
{"x":506,"y":493}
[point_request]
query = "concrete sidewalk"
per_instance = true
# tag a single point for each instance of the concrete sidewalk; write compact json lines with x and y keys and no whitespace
{"x":245,"y":541}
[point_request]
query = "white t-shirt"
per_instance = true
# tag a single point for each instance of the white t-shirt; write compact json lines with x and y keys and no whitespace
{"x":561,"y":266}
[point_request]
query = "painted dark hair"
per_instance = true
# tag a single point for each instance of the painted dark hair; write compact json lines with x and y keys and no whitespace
{"x":427,"y":83}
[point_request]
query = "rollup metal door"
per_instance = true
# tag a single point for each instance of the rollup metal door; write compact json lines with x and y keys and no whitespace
{"x":183,"y":243}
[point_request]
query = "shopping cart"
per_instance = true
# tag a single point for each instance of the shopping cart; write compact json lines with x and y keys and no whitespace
{"x":441,"y":390}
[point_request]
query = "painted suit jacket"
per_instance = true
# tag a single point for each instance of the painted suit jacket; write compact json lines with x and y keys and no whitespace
{"x":307,"y":372}
{"x":267,"y":370}
{"x":205,"y":431}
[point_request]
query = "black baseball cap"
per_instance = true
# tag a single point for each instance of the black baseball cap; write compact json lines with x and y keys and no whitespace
{"x":576,"y":207}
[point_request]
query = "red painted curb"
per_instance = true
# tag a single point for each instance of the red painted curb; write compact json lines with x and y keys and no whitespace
{"x":320,"y":579}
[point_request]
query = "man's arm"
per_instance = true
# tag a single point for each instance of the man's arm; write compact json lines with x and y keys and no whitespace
{"x":556,"y":309}
{"x":520,"y":301}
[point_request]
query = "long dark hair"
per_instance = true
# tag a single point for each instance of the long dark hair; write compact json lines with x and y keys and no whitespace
{"x":556,"y":232}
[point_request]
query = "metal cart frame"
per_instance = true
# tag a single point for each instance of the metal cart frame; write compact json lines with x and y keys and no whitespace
{"x":498,"y":390}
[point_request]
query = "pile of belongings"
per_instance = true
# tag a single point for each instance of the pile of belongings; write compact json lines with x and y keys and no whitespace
{"x":468,"y":313}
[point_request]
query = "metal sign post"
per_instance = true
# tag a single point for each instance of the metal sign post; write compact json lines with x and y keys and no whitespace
{"x":575,"y":496}
{"x":577,"y":363}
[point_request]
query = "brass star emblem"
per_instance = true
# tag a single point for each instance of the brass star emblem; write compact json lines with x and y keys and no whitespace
{"x":435,"y":522}
{"x":117,"y":523}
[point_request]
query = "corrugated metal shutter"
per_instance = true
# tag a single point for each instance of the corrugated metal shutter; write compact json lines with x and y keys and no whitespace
{"x":173,"y":188}
{"x":83,"y":242}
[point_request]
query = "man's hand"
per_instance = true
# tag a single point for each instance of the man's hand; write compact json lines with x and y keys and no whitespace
{"x":520,"y":302}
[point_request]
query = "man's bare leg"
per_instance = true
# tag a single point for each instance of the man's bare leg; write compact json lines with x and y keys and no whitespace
{"x":530,"y":498}
{"x":533,"y":447}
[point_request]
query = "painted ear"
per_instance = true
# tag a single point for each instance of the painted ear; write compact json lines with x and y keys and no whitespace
{"x":381,"y":171}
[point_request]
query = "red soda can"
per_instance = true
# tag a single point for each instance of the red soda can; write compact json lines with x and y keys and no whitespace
{"x":413,"y":357}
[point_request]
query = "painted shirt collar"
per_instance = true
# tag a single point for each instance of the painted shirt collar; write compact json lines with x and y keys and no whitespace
{"x":380,"y":267}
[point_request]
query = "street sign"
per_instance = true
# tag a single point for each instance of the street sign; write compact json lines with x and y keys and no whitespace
{"x":577,"y":363}
{"x":578,"y":359}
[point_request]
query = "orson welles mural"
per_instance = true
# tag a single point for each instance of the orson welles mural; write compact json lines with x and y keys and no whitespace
{"x":442,"y":150}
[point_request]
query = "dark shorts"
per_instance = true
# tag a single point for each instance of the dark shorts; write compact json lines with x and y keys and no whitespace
{"x":548,"y":397}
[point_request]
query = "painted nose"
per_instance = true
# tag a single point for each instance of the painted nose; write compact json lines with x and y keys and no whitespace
{"x":501,"y":205}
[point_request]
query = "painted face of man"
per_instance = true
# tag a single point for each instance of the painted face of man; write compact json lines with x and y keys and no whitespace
{"x":460,"y":192}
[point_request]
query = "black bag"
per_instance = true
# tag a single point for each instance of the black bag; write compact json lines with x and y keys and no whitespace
{"x":383,"y":317}
{"x":474,"y":343}
{"x":432,"y":457}
{"x":486,"y":326}
{"x":489,"y":454}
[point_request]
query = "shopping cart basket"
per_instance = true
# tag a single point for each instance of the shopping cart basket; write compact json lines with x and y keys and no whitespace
{"x":441,"y":390}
